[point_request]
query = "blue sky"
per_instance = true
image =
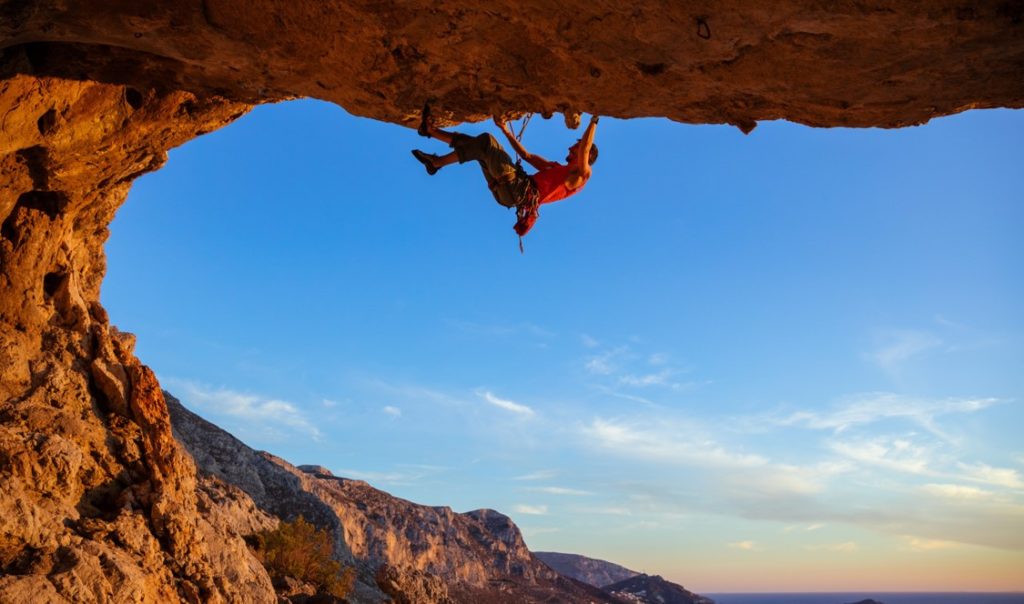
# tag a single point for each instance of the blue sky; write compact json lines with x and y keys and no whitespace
{"x":729,"y":359}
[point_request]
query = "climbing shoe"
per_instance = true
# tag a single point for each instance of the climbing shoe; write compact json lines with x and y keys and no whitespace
{"x":424,"y":129}
{"x":427,"y":159}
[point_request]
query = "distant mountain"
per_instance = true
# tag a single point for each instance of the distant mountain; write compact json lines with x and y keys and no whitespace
{"x":648,"y":589}
{"x":624,"y":584}
{"x":587,"y":570}
{"x":868,"y":601}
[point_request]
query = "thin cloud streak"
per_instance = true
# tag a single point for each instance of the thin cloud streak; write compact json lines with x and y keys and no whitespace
{"x":507,"y":405}
{"x":251,"y":409}
{"x":874,"y":407}
{"x":538,"y":475}
{"x":627,"y":397}
{"x":896,"y":454}
{"x":744,"y":545}
{"x":984,"y":473}
{"x":901,"y":346}
{"x":532,"y":510}
{"x":956,"y":491}
{"x":560,"y":491}
{"x":626,"y":439}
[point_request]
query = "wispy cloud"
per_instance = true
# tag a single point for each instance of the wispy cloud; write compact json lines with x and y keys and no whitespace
{"x":893,"y":453}
{"x":904,"y":454}
{"x":664,"y":445}
{"x":743,"y":545}
{"x":927,"y":545}
{"x":956,"y":491}
{"x":605,"y":362}
{"x":661,"y":378}
{"x":252,"y":409}
{"x":588,"y":341}
{"x":873,"y":407}
{"x":627,"y":368}
{"x":627,"y":397}
{"x":896,"y":347}
{"x":984,"y":473}
{"x":538,"y":475}
{"x":392,"y":411}
{"x":533,"y":510}
{"x":658,"y":358}
{"x":559,"y":491}
{"x":507,"y":405}
{"x":377,"y":477}
{"x":406,"y":475}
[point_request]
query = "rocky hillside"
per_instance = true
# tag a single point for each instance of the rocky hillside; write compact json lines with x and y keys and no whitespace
{"x":652,"y":589}
{"x":424,"y":554}
{"x":586,"y":570}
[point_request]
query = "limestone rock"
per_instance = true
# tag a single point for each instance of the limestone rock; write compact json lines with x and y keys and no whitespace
{"x":105,"y":508}
{"x":879,"y":62}
{"x":410,"y":586}
{"x":314,"y":469}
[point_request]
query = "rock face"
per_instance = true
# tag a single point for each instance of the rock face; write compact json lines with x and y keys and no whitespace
{"x":880,"y":62}
{"x":586,"y":570}
{"x":414,"y":553}
{"x":96,"y":502}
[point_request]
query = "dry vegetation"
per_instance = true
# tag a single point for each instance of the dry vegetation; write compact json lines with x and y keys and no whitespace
{"x":300,"y":551}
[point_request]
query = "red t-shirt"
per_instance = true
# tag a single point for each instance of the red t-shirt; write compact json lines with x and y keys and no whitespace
{"x":550,"y":187}
{"x":551,"y":183}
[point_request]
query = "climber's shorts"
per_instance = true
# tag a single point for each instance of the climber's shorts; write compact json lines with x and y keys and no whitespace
{"x":509,"y":183}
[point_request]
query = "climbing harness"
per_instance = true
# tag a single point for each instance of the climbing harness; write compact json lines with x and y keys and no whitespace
{"x":525,"y":212}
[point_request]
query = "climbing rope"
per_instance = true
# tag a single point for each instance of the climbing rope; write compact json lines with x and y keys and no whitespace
{"x":519,"y":138}
{"x":522,"y":211}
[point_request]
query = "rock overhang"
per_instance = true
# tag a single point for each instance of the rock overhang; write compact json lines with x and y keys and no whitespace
{"x":840,"y":63}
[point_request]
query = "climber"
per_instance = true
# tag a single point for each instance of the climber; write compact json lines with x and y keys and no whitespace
{"x":511,"y":186}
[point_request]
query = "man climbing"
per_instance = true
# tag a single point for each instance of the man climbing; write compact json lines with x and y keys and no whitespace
{"x":511,"y":186}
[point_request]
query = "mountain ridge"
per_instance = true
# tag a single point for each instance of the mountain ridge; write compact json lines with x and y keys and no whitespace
{"x":426,"y":554}
{"x":592,"y":571}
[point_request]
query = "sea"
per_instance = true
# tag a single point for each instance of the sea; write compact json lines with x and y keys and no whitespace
{"x":884,"y":598}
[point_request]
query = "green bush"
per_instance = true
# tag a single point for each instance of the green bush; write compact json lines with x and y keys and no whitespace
{"x":300,"y":551}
